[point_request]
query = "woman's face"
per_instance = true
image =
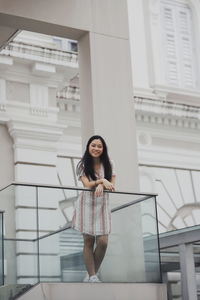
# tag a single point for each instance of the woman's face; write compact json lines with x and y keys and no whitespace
{"x":96,"y":148}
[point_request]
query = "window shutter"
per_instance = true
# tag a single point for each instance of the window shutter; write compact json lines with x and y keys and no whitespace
{"x":186,"y":44}
{"x":178,"y":44}
{"x":170,"y":42}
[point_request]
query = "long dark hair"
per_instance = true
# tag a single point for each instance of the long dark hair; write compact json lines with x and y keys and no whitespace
{"x":87,"y":163}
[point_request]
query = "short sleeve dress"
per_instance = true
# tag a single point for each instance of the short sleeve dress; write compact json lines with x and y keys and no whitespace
{"x":92,"y":214}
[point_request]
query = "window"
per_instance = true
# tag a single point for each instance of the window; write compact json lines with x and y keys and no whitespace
{"x":178,"y":43}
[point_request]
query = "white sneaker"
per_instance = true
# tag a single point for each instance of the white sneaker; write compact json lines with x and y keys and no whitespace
{"x":86,"y":278}
{"x":94,"y":278}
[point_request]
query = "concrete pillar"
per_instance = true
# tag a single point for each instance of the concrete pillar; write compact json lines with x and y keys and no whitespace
{"x":107,"y":101}
{"x":107,"y":109}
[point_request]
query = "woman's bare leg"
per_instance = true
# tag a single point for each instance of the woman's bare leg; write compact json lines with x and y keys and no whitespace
{"x":99,"y":253}
{"x":88,"y":253}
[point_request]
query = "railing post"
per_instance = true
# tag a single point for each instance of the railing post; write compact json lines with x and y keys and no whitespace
{"x":188,"y":278}
{"x":37,"y":234}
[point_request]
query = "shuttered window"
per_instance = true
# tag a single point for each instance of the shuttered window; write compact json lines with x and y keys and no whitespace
{"x":178,"y":43}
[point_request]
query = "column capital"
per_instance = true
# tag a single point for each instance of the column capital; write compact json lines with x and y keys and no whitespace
{"x":35,"y":135}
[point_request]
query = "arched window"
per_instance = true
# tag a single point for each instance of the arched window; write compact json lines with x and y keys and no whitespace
{"x":178,"y":43}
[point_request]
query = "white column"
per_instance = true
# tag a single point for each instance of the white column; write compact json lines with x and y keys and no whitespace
{"x":140,"y":45}
{"x":107,"y":109}
{"x":107,"y":102}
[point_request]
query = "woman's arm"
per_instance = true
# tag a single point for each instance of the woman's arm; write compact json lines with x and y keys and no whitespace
{"x":90,"y":184}
{"x":94,"y":183}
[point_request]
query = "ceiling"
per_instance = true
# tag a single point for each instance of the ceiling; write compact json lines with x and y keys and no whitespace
{"x":6,"y":34}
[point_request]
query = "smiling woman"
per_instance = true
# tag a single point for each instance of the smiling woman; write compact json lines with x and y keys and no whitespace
{"x":92,"y":213}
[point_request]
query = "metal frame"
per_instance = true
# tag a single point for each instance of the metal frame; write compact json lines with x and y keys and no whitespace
{"x":72,"y":188}
{"x":141,"y":197}
{"x":184,"y":239}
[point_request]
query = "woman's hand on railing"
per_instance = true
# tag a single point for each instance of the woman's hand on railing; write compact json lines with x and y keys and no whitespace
{"x":108,"y":185}
{"x":99,"y":190}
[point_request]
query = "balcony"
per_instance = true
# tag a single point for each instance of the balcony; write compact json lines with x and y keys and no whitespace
{"x":42,"y":254}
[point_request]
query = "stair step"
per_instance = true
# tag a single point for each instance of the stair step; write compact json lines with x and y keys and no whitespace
{"x":97,"y":291}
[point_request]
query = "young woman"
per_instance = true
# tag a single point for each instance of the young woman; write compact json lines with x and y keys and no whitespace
{"x":92,"y":214}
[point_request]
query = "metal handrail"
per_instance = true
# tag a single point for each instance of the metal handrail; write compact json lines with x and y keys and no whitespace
{"x":43,"y":185}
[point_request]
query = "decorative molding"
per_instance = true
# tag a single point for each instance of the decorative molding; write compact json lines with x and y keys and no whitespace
{"x":17,"y":109}
{"x":38,"y":136}
{"x":167,"y":113}
{"x":149,"y":165}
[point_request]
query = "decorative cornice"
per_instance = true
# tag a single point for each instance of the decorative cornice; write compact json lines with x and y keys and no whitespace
{"x":16,"y":108}
{"x":24,"y":132}
{"x":167,"y":113}
{"x":147,"y":110}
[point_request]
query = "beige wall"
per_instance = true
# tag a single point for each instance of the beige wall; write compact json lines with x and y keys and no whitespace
{"x":6,"y":157}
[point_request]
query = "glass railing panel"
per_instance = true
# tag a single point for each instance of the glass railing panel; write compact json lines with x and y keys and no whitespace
{"x":56,"y":208}
{"x":20,"y":206}
{"x":132,"y":249}
{"x":133,"y":246}
{"x":20,"y":222}
{"x":151,"y":240}
{"x":20,"y":261}
{"x":43,"y":215}
{"x":7,"y":204}
{"x":61,"y":257}
{"x":20,"y":267}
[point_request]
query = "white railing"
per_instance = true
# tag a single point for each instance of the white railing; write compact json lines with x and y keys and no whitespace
{"x":39,"y":53}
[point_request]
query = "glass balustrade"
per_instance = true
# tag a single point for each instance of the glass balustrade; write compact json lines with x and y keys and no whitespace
{"x":41,"y":246}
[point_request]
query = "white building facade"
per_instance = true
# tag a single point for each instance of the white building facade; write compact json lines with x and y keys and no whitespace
{"x":40,"y":107}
